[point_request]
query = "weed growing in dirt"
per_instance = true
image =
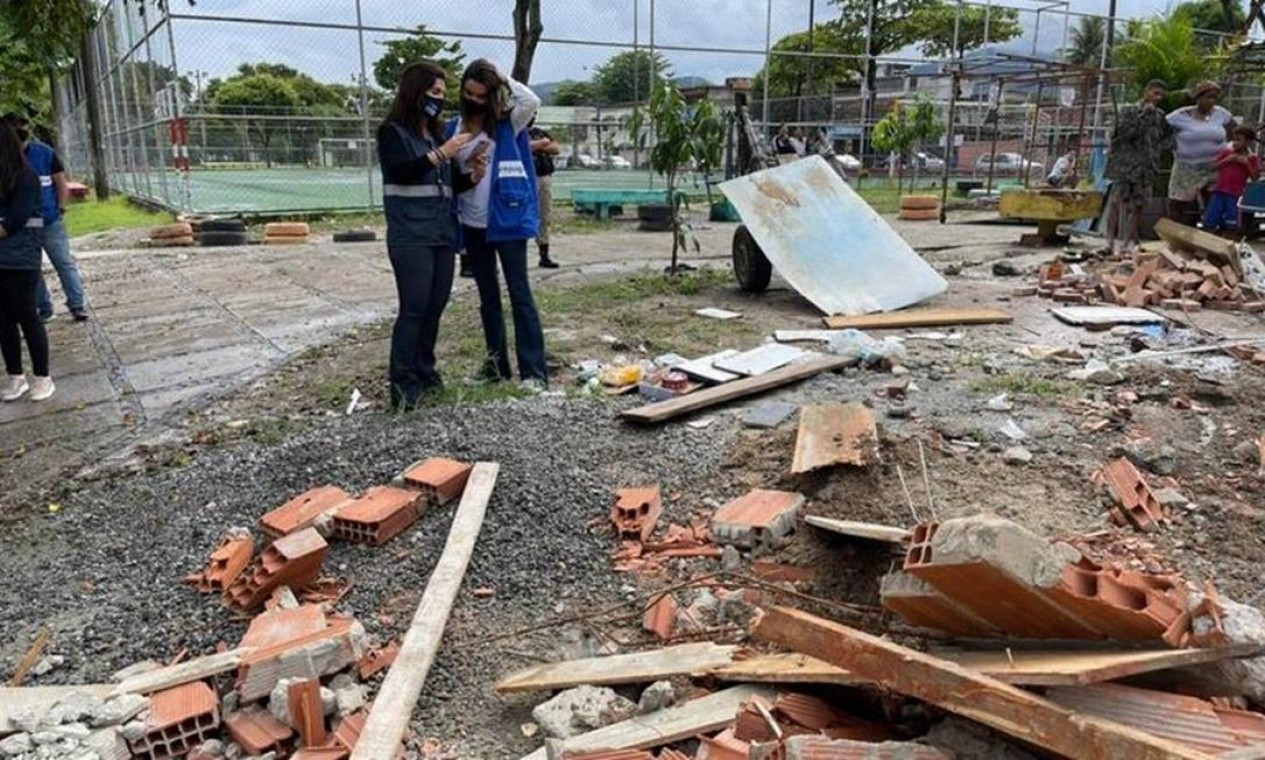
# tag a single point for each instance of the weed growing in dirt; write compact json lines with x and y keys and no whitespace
{"x":601,"y":296}
{"x":1017,"y":384}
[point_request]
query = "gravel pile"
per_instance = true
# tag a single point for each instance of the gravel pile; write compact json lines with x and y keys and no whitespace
{"x":105,"y":571}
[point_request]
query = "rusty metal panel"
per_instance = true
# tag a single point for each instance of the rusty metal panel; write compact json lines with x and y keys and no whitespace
{"x":828,"y":243}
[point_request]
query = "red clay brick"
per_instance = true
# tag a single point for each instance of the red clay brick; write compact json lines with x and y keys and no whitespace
{"x":306,"y":711}
{"x":610,"y":754}
{"x":347,"y":733}
{"x":776,"y":572}
{"x":284,"y":641}
{"x":751,"y":724}
{"x":807,"y":711}
{"x":1134,"y":495}
{"x":179,"y":719}
{"x":636,"y":512}
{"x":440,"y":480}
{"x":660,"y":618}
{"x":760,"y":518}
{"x":257,"y":731}
{"x":379,"y":516}
{"x":302,"y":511}
{"x":377,"y":660}
{"x":321,"y":753}
{"x":724,"y":746}
{"x":227,"y":562}
{"x":293,"y":561}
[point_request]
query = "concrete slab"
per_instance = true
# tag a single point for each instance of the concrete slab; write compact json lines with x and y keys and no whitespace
{"x":73,"y":393}
{"x":768,"y":414}
{"x":200,"y":366}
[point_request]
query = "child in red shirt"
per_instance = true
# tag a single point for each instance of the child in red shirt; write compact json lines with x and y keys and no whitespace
{"x":1236,"y":164}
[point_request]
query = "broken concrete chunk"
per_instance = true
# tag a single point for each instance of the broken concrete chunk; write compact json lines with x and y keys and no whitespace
{"x":16,"y":745}
{"x":1170,"y":498}
{"x":578,"y":710}
{"x":349,"y":696}
{"x":657,"y":696}
{"x":1097,"y":372}
{"x":48,"y":665}
{"x":118,"y":710}
{"x":812,"y":747}
{"x":760,"y":519}
{"x":279,"y":700}
{"x":767,"y":414}
{"x":73,"y":708}
{"x":1017,"y":455}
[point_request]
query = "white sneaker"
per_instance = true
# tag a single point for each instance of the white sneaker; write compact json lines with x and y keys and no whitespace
{"x":42,"y":389}
{"x":15,"y":389}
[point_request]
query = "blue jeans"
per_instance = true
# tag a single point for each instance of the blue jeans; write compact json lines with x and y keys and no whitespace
{"x":1222,"y":212}
{"x":56,"y":242}
{"x":529,"y":338}
{"x":423,"y":281}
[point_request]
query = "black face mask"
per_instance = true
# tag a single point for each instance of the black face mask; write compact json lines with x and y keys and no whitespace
{"x":432,"y":106}
{"x":23,"y":134}
{"x":470,"y":107}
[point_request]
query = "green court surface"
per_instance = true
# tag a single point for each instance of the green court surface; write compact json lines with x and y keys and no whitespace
{"x":278,"y":190}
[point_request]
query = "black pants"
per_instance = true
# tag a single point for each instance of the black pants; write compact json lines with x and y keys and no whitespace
{"x":18,"y":317}
{"x":423,"y":280}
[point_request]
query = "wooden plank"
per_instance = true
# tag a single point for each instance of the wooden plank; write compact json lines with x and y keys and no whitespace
{"x":615,"y":670}
{"x":389,"y":719}
{"x":972,"y":695}
{"x":919,"y":318}
{"x":185,"y":672}
{"x":704,"y":399}
{"x":15,"y":701}
{"x":31,"y":658}
{"x":684,"y":721}
{"x":831,"y":435}
{"x":783,"y":667}
{"x":867,"y":531}
{"x":1079,"y":668}
{"x":1220,"y":250}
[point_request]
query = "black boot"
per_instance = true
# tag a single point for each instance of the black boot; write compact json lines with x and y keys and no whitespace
{"x":545,"y":261}
{"x":465,"y":267}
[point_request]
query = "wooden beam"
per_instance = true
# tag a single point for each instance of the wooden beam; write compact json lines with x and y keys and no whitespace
{"x":1202,"y":243}
{"x":831,"y":435}
{"x":919,"y":318}
{"x":1078,"y":668}
{"x":389,"y":719}
{"x":866,"y":531}
{"x":693,"y":402}
{"x":977,"y":697}
{"x":684,"y":721}
{"x":185,"y":672}
{"x":616,"y":670}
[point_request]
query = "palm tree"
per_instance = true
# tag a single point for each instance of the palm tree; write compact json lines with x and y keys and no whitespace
{"x":1085,"y":46}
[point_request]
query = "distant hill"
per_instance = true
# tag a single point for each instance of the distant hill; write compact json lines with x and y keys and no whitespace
{"x":546,"y":90}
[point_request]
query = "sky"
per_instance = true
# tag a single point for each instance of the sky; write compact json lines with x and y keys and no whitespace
{"x":595,"y":30}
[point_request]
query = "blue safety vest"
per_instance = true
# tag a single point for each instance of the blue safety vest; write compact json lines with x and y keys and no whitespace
{"x":40,"y":156}
{"x":512,"y":208}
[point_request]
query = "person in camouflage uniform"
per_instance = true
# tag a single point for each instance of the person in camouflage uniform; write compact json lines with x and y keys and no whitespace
{"x":1133,"y":161}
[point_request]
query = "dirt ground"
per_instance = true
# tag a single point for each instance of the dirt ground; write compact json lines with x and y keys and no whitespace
{"x":103,"y":572}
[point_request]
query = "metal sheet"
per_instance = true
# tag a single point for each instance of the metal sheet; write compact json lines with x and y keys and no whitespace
{"x":828,"y":243}
{"x":759,"y":361}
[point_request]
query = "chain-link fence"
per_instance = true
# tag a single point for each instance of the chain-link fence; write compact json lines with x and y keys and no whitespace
{"x":272,"y":106}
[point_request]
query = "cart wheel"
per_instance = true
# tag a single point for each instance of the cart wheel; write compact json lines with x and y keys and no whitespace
{"x":751,"y":267}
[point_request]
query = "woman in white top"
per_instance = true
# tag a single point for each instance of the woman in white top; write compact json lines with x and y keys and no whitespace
{"x":1199,"y":133}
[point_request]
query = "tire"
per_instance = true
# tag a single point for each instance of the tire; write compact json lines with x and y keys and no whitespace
{"x":287,"y":229}
{"x":355,"y":236}
{"x":167,"y":231}
{"x":222,"y":225}
{"x":919,"y":202}
{"x":920,"y":214}
{"x":751,"y":266}
{"x":654,"y":212}
{"x":219,"y":238}
{"x":655,"y":225}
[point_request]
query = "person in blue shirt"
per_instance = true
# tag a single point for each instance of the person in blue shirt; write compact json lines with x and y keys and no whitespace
{"x":500,"y":214}
{"x":20,"y":260}
{"x":54,"y":193}
{"x":418,"y":183}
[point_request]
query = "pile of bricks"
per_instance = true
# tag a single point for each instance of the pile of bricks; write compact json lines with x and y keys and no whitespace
{"x":635,"y":517}
{"x":1160,"y":277}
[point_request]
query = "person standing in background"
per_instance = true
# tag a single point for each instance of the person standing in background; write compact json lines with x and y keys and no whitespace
{"x":543,"y":149}
{"x":1199,"y":133}
{"x":1133,"y":161}
{"x":1236,"y":166}
{"x":54,"y":194}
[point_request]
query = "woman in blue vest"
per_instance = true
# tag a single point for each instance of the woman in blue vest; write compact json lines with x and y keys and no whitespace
{"x":20,"y":259}
{"x":499,"y":215}
{"x":417,"y":193}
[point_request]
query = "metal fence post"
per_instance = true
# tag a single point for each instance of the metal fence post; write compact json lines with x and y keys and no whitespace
{"x":364,"y":108}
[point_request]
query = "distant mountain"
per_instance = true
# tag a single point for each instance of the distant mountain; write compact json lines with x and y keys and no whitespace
{"x":692,"y":82}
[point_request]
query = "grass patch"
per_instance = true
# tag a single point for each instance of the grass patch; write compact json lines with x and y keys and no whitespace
{"x":568,"y":223}
{"x":601,"y":296}
{"x":88,"y":217}
{"x":349,"y":221}
{"x":1016,"y":384}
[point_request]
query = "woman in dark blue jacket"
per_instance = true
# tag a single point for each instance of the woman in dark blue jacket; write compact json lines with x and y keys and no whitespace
{"x":417,"y":194}
{"x":20,"y":259}
{"x":499,"y":215}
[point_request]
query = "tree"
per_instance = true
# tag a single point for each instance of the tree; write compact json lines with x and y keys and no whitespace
{"x":629,"y":76}
{"x":258,"y":95}
{"x":793,"y":76}
{"x":1167,"y":49}
{"x":684,"y":134}
{"x":421,"y":46}
{"x":572,"y":93}
{"x":527,"y":31}
{"x":905,"y":128}
{"x":1086,"y":42}
{"x":1214,"y":16}
{"x":940,"y":19}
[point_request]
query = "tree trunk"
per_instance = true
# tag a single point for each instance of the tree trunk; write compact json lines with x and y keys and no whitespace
{"x":100,"y":176}
{"x":527,"y":30}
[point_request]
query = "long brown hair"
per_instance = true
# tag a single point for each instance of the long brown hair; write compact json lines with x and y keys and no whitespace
{"x":415,"y":81}
{"x":13,"y":162}
{"x":484,"y":72}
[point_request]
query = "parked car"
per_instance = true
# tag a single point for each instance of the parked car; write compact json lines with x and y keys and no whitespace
{"x":585,"y":161}
{"x":1007,"y":164}
{"x":617,"y":162}
{"x":851,"y":164}
{"x":929,"y":163}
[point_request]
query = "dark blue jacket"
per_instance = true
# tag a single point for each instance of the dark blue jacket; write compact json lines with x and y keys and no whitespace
{"x":416,"y":195}
{"x":20,"y":217}
{"x":45,"y":162}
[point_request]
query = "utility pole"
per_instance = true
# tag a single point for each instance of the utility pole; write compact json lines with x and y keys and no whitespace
{"x":92,"y":97}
